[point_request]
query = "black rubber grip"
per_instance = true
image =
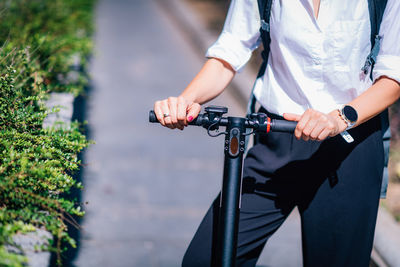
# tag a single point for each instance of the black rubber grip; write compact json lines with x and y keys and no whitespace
{"x":283,"y":126}
{"x":152,"y":116}
{"x":197,"y":121}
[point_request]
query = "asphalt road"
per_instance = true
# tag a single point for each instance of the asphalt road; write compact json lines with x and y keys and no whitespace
{"x":149,"y":187}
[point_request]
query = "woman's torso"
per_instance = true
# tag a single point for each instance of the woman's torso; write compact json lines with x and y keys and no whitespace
{"x":315,"y":63}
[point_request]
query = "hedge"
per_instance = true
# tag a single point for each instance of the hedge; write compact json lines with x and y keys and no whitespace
{"x":55,"y":31}
{"x":40,"y":39}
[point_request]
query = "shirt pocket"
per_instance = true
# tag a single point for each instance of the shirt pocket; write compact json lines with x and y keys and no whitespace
{"x":347,"y":42}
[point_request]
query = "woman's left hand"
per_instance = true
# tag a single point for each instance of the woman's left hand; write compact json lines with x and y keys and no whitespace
{"x":315,"y":125}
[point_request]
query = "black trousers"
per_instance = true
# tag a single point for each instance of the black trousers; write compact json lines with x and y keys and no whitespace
{"x":335,"y":185}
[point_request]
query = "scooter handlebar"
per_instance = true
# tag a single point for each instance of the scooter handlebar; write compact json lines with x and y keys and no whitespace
{"x":275,"y":125}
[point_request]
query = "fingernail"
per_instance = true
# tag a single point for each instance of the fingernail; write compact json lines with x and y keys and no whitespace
{"x":190,"y":118}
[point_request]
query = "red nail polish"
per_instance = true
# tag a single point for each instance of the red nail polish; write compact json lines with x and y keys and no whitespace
{"x":190,"y":118}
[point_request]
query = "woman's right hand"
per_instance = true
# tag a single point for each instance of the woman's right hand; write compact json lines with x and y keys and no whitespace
{"x":176,"y":112}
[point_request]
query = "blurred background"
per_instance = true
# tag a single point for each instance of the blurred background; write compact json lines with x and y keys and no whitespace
{"x":144,"y":189}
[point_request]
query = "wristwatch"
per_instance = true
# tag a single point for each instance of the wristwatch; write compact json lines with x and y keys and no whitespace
{"x":350,"y":116}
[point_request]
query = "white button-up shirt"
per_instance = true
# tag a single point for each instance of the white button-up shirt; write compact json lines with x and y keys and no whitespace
{"x":313,"y":62}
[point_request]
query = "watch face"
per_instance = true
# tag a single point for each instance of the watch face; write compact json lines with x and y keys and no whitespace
{"x":350,"y":113}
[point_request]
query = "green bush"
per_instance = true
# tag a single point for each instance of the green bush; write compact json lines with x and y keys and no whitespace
{"x":57,"y":31}
{"x":40,"y":40}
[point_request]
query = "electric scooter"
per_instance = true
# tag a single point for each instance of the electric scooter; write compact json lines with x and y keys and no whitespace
{"x":236,"y":130}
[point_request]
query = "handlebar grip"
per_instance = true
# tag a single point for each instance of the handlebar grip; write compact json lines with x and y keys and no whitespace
{"x":152,"y":116}
{"x":197,"y":121}
{"x":283,"y":126}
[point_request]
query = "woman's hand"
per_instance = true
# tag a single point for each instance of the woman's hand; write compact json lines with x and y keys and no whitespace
{"x":315,"y":125}
{"x":176,"y":112}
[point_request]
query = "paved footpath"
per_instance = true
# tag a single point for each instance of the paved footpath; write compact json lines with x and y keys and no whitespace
{"x":148,"y":187}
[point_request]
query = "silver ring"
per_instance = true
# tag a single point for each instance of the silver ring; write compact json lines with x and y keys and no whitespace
{"x":166,"y":115}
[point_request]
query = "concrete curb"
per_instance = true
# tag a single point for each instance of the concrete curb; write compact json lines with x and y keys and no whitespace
{"x":387,"y":234}
{"x":65,"y":103}
{"x":28,"y":242}
{"x":387,"y":238}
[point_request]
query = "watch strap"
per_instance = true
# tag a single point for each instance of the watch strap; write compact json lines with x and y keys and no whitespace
{"x":347,"y":137}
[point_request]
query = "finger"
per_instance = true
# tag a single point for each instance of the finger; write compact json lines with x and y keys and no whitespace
{"x":291,"y":117}
{"x":323,"y":135}
{"x":193,"y":111}
{"x":159,"y":113}
{"x":181,"y":112}
{"x":172,"y":104}
{"x":317,"y":131}
{"x":305,"y":137}
{"x":298,"y":132}
{"x":311,"y":124}
{"x":165,"y":110}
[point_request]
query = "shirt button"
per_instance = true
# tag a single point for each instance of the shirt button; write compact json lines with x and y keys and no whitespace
{"x":317,"y":61}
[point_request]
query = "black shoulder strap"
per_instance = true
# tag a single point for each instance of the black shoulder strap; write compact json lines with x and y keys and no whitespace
{"x":264,"y":7}
{"x":376,"y":9}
